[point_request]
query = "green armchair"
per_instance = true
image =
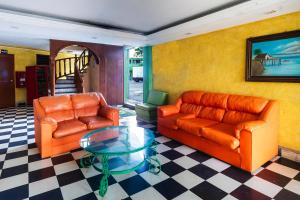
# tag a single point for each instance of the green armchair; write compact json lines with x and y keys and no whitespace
{"x":148,"y":111}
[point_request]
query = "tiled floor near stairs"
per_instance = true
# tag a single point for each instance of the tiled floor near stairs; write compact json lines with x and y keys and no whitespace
{"x":186,"y":174}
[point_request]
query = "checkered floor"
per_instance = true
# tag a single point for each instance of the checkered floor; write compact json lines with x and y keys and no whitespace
{"x":186,"y":174}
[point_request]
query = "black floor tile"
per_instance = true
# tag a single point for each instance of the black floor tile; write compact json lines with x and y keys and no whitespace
{"x":70,"y":177}
{"x":62,"y":159}
{"x":94,"y":181}
{"x":171,"y":168}
{"x":206,"y":190}
{"x":288,"y":163}
{"x":172,"y":154}
{"x":287,"y":195}
{"x":16,"y":154}
{"x":134,"y":184}
{"x":199,"y":156}
{"x":170,"y":188}
{"x":246,"y":193}
{"x":12,"y":171}
{"x":172,"y":144}
{"x":49,"y":195}
{"x":41,"y":174}
{"x":273,"y":177}
{"x":237,"y":174}
{"x":203,"y":171}
{"x":16,"y":193}
{"x":90,"y":196}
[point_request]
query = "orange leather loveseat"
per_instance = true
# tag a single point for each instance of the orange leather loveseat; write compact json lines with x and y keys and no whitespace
{"x":240,"y":130}
{"x":60,"y":121}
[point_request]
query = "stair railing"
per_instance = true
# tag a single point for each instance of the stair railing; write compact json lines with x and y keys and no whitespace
{"x":67,"y":66}
{"x":81,"y":64}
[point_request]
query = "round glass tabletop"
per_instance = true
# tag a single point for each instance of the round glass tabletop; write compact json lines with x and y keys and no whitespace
{"x":117,"y":140}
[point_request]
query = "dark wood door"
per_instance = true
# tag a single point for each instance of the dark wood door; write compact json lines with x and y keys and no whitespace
{"x":7,"y":81}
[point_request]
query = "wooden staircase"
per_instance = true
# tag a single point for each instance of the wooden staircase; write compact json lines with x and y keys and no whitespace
{"x":69,"y":73}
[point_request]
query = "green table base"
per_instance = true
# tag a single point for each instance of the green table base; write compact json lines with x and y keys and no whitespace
{"x":89,"y":160}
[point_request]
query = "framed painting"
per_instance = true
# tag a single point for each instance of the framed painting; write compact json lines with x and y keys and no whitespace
{"x":274,"y":58}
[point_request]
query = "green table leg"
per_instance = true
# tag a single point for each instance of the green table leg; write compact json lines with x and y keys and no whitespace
{"x":104,"y":180}
{"x":154,"y":163}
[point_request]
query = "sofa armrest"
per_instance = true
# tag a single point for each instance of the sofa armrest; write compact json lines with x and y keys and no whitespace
{"x":258,"y":144}
{"x":110,"y":113}
{"x":49,"y":122}
{"x":248,"y":126}
{"x":167,"y":110}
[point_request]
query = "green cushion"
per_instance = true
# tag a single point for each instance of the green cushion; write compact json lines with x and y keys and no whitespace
{"x":145,"y":106}
{"x":157,"y":97}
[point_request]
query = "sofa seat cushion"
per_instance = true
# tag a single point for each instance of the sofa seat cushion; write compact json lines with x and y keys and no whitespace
{"x":194,"y":126}
{"x":69,"y":127}
{"x":145,"y":106}
{"x":96,"y":122}
{"x":171,"y":120}
{"x":223,"y":134}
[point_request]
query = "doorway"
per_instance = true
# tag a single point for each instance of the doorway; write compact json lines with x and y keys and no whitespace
{"x":7,"y":81}
{"x":133,"y":75}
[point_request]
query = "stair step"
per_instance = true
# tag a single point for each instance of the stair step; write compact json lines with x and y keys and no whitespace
{"x":64,"y":81}
{"x":65,"y":90}
{"x":70,"y":77}
{"x":68,"y":93}
{"x":65,"y":85}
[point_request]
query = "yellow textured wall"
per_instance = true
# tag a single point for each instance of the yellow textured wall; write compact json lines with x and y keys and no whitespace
{"x":216,"y":62}
{"x":23,"y":57}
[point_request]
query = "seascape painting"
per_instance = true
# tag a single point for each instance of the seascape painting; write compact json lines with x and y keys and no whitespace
{"x":274,"y":57}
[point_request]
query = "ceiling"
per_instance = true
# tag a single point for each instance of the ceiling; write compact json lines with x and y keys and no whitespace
{"x":32,"y":23}
{"x":139,"y":16}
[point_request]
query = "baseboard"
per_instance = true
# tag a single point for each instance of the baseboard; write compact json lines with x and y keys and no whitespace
{"x":289,"y":154}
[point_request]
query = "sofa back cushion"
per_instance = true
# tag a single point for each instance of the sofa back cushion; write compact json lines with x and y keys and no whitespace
{"x":214,"y":105}
{"x":192,"y":97}
{"x":57,"y":107}
{"x":86,"y":104}
{"x":243,"y":108}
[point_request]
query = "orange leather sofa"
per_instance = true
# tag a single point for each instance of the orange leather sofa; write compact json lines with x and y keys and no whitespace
{"x":240,"y":130}
{"x":60,"y":121}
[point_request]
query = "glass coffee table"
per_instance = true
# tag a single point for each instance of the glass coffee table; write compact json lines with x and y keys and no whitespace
{"x":119,"y":150}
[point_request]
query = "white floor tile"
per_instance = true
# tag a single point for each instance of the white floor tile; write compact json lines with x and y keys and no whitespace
{"x":89,"y":172}
{"x":17,"y":148}
{"x":229,"y":197}
{"x":13,"y":181}
{"x":122,"y":177}
{"x":153,"y":179}
{"x":16,"y":139}
{"x":78,"y":154}
{"x":162,"y":139}
{"x":39,"y":164}
{"x":162,"y":148}
{"x":76,"y":189}
{"x":149,"y":193}
{"x":223,"y":182}
{"x":65,"y":167}
{"x":114,"y":192}
{"x":33,"y":151}
{"x":42,"y":186}
{"x":281,"y":169}
{"x":185,"y":150}
{"x":186,"y":162}
{"x":293,"y":186}
{"x":263,"y":186}
{"x":216,"y":164}
{"x":187,"y":179}
{"x":162,"y":159}
{"x":15,"y":162}
{"x":188,"y":195}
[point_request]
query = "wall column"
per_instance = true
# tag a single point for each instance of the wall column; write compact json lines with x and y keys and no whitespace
{"x":147,"y":71}
{"x":126,"y":73}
